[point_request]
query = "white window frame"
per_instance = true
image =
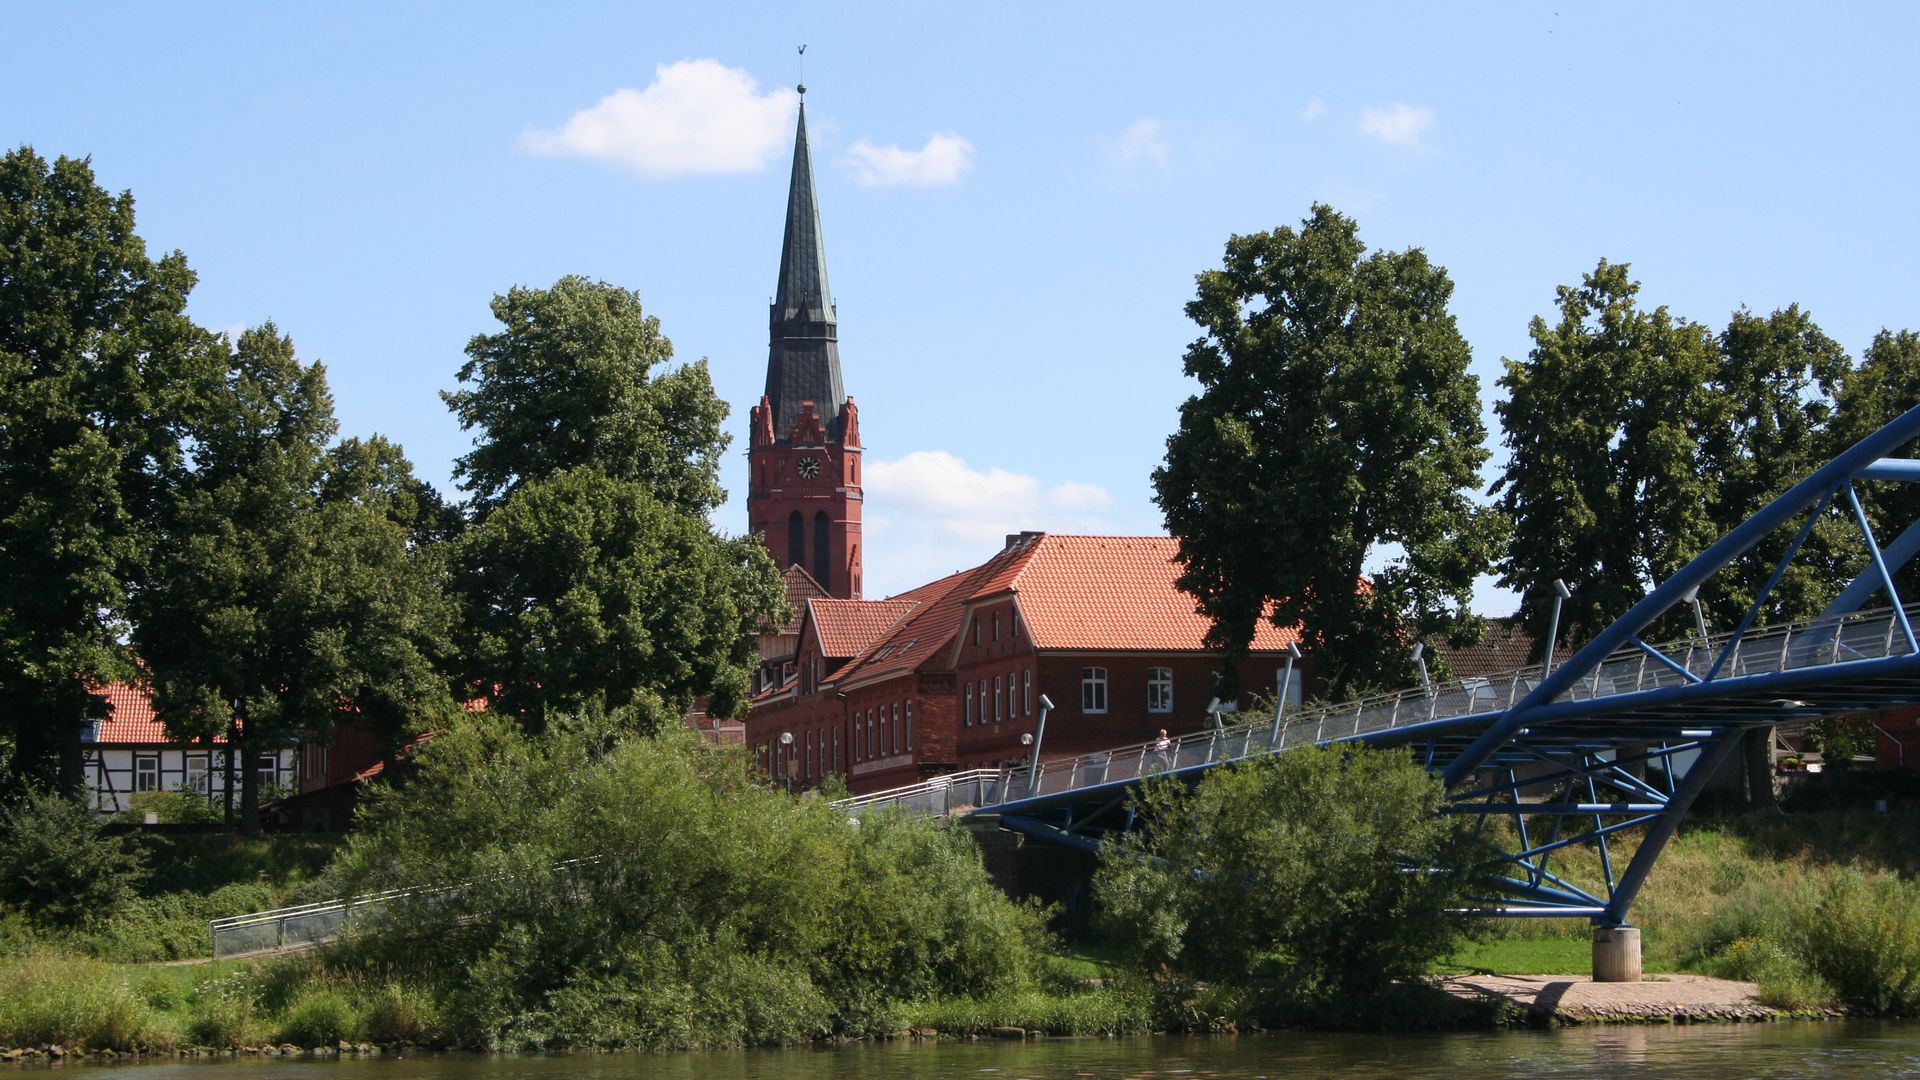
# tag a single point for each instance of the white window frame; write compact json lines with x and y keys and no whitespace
{"x":966,"y":703}
{"x":1093,"y":691}
{"x":199,"y":773}
{"x":1159,"y":690}
{"x":908,"y":713}
{"x":998,"y":699}
{"x":1026,"y":691}
{"x":146,"y":772}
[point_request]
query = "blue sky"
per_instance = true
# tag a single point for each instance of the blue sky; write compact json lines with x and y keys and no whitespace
{"x":1015,"y":197}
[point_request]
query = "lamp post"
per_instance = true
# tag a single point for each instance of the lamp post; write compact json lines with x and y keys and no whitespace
{"x":1561,"y":594}
{"x":1280,"y":699}
{"x":1692,"y":596}
{"x":1039,"y":735}
{"x":1420,"y":661}
{"x":786,"y":752}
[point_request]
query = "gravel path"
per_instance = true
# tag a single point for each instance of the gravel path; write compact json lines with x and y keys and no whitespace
{"x":1576,"y":999}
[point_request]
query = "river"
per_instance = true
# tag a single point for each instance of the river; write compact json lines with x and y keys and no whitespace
{"x":1857,"y":1048}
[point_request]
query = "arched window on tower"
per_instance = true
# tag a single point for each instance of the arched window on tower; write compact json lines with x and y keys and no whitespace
{"x":796,"y":540}
{"x":822,"y":557}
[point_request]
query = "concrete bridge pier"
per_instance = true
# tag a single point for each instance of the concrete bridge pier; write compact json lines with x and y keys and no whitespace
{"x":1616,"y":954}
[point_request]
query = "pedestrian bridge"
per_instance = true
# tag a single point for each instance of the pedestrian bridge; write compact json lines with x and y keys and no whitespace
{"x":1619,"y":739}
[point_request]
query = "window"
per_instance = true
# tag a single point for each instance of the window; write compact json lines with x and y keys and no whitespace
{"x":146,"y":772}
{"x":810,"y":758}
{"x":822,"y":551}
{"x":872,"y":745}
{"x":197,"y":773}
{"x":893,"y":711}
{"x":1026,"y":690}
{"x":836,"y":750}
{"x":796,"y":540}
{"x":976,"y":631}
{"x":908,"y":715}
{"x":998,"y":698}
{"x":996,"y":626}
{"x":1093,"y":689}
{"x":966,"y":703}
{"x":269,"y":768}
{"x":1160,"y":690}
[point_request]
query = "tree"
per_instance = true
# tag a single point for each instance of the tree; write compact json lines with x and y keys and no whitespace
{"x":1336,"y":425}
{"x":1604,"y":485}
{"x":287,"y":598}
{"x":1331,"y":868}
{"x":584,"y":588}
{"x":570,"y":382}
{"x":1778,"y":375}
{"x":1884,"y":385}
{"x":98,"y":366}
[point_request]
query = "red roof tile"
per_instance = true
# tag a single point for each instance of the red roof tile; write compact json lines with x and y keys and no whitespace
{"x":130,"y":718}
{"x":927,"y":633}
{"x":800,"y":588}
{"x":847,"y":627}
{"x":1108,"y":592}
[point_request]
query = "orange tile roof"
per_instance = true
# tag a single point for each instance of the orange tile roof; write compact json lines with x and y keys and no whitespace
{"x":847,"y":627}
{"x":130,"y":718}
{"x":927,"y":634}
{"x":1108,"y":592}
{"x":800,"y":588}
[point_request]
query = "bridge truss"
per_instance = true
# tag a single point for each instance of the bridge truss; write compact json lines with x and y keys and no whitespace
{"x":1616,"y":742}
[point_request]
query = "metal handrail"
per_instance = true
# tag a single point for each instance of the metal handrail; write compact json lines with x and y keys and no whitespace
{"x":1861,"y":635}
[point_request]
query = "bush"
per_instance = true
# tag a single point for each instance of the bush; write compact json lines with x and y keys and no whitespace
{"x":67,"y":1001}
{"x":647,"y":892}
{"x":320,"y":1014}
{"x":1861,"y":933}
{"x":171,"y":808}
{"x":400,"y":1014}
{"x":1329,"y":869}
{"x":59,"y":865}
{"x":220,"y":1023}
{"x":1781,"y":977}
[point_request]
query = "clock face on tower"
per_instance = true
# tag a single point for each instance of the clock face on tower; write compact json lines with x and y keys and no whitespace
{"x":808,"y":467}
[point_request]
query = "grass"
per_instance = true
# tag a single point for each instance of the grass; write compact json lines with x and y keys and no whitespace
{"x":1521,"y":956}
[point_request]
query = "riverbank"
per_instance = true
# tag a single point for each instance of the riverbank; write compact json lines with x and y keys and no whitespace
{"x":1552,"y":1000}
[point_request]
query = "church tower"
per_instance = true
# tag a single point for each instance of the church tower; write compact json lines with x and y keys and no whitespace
{"x":803,"y":490}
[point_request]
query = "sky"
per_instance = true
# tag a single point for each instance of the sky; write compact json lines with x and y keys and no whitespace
{"x":1015,"y":198}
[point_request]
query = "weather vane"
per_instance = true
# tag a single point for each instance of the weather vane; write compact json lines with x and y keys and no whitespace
{"x":803,"y":71}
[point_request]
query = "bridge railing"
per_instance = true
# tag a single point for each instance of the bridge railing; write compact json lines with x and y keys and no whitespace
{"x":1862,"y":635}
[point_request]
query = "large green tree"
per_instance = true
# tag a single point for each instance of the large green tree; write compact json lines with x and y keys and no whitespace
{"x":287,"y":595}
{"x":1884,"y":385}
{"x":98,"y":366}
{"x":1336,"y":429}
{"x":577,"y":376}
{"x":587,"y":590}
{"x":1604,"y":422}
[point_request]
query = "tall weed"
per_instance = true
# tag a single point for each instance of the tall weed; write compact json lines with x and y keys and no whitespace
{"x":68,"y":1001}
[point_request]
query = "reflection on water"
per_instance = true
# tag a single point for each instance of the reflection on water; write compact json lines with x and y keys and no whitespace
{"x":1708,"y":1050}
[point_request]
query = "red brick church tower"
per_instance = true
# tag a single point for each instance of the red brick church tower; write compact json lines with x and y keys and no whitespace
{"x":803,"y":491}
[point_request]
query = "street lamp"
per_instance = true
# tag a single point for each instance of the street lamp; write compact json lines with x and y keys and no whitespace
{"x":1420,"y":661}
{"x":786,"y":746}
{"x":1286,"y":684}
{"x":1561,"y":594}
{"x":1039,"y":734}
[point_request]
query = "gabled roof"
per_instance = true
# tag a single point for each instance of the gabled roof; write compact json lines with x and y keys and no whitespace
{"x":1108,"y":593}
{"x":801,"y":587}
{"x":1507,"y":647}
{"x":847,"y":627}
{"x":130,"y":719}
{"x":926,"y":636}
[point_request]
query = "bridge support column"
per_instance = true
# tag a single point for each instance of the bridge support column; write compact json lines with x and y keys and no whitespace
{"x":1616,"y":954}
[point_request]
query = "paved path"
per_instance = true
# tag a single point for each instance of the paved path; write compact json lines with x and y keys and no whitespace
{"x":1576,"y":999}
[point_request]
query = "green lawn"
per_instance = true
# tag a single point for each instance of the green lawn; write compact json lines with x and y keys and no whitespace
{"x":1522,"y":956}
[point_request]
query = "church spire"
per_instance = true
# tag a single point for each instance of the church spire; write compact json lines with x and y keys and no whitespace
{"x":803,"y":357}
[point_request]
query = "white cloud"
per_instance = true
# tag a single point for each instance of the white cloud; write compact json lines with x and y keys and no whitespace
{"x":1313,"y":110}
{"x":697,"y":116}
{"x":941,"y":161}
{"x":1143,"y":143}
{"x":1398,"y":123}
{"x":930,"y":513}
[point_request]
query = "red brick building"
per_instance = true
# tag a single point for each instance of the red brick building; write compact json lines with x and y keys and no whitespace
{"x":950,"y":675}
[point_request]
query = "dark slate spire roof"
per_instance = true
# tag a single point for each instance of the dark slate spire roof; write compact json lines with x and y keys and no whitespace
{"x":803,"y":354}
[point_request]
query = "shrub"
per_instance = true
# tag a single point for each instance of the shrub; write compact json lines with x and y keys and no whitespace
{"x":1331,"y":869}
{"x":68,"y":1001}
{"x":59,"y":865}
{"x":171,"y":808}
{"x":222,"y":1023}
{"x":398,"y":1014}
{"x":319,"y":1014}
{"x":1780,"y":976}
{"x":1861,"y":933}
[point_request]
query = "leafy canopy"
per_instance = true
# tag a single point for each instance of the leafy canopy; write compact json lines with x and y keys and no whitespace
{"x":1336,"y":429}
{"x":571,"y":381}
{"x":1330,"y":868}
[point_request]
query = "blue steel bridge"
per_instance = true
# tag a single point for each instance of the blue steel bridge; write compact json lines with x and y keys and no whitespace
{"x":1619,"y":739}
